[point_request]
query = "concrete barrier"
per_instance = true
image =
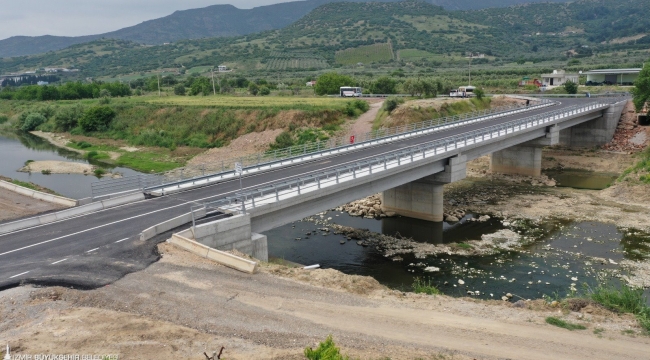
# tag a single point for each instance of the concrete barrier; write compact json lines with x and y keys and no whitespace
{"x":66,"y":214}
{"x":170,"y":224}
{"x":38,"y":194}
{"x":220,"y":257}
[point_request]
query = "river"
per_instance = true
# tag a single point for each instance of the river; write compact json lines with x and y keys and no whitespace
{"x":17,"y":147}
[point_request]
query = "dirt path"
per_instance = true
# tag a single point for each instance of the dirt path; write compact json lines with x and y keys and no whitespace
{"x":183,"y":305}
{"x":364,"y":123}
{"x":13,"y":206}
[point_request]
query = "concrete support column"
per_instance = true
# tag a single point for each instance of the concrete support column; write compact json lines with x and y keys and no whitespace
{"x":423,"y":198}
{"x":518,"y":160}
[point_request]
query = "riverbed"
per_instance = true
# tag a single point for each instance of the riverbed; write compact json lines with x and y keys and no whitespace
{"x":18,"y":147}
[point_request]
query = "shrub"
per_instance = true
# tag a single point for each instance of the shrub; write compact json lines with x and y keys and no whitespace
{"x":392,"y":103}
{"x":326,"y":350}
{"x":92,"y":154}
{"x":179,"y":89}
{"x":83,"y":144}
{"x":104,"y":93}
{"x":284,"y":140}
{"x":46,"y":172}
{"x":264,"y":90}
{"x":253,"y":89}
{"x":3,"y":119}
{"x":32,"y":121}
{"x":97,"y":118}
{"x":99,"y":172}
{"x":480,"y":93}
{"x":571,"y":87}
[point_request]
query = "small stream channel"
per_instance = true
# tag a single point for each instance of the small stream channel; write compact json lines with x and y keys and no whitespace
{"x":18,"y":147}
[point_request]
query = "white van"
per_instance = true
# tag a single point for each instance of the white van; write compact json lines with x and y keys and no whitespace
{"x":347,"y":91}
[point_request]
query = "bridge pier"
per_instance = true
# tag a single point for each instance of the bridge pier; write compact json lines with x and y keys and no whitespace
{"x":423,"y":198}
{"x":594,"y":133}
{"x":524,"y":159}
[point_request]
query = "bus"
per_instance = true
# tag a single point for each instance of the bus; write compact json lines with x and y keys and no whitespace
{"x":348,"y":91}
{"x":463,"y":91}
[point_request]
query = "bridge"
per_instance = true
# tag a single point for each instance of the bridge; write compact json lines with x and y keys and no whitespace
{"x":408,"y":168}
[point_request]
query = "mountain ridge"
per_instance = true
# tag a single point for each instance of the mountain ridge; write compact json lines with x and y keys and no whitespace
{"x":211,"y":21}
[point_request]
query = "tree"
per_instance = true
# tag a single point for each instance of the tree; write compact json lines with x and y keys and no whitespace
{"x":480,"y":93}
{"x":68,"y":117}
{"x":264,"y":90}
{"x":253,"y":89}
{"x":571,"y":87}
{"x":201,"y":85}
{"x":331,"y":83}
{"x":384,"y":85}
{"x":179,"y":89}
{"x":641,"y":89}
{"x":97,"y":118}
{"x":104,"y":93}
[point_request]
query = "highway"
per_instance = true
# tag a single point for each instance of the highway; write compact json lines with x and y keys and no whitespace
{"x":95,"y":249}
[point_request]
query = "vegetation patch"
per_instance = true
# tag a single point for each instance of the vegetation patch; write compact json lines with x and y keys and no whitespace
{"x":422,"y":286}
{"x":365,"y":54}
{"x":564,"y":324}
{"x":623,"y":300}
{"x":150,"y":162}
{"x":326,"y":350}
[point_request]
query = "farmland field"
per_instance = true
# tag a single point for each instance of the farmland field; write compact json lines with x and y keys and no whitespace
{"x":365,"y":54}
{"x":253,"y":102}
{"x":278,"y":60}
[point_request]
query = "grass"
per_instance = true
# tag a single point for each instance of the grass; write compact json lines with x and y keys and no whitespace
{"x":148,"y":162}
{"x":464,"y":246}
{"x":642,"y":166}
{"x":421,"y":286}
{"x":326,"y":350}
{"x":253,"y":102}
{"x":623,"y":300}
{"x":24,"y":184}
{"x":365,"y":54}
{"x":99,"y":172}
{"x":563,"y":324}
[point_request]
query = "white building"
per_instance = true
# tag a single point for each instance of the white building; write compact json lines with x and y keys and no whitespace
{"x":559,"y":78}
{"x":223,"y":68}
{"x":625,"y":77}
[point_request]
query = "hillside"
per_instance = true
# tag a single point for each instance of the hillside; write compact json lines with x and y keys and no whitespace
{"x":347,"y":33}
{"x":211,"y":21}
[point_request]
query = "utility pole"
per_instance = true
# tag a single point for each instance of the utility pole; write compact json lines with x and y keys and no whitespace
{"x":470,"y":68}
{"x":214,"y":89}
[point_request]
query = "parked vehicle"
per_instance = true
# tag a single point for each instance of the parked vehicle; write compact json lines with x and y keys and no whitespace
{"x":463,"y":91}
{"x":348,"y":91}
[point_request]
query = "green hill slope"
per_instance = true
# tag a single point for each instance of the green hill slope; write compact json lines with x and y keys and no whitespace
{"x":341,"y":33}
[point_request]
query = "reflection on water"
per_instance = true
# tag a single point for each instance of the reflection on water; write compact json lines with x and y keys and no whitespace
{"x":17,"y":147}
{"x":562,"y":258}
{"x":582,"y":179}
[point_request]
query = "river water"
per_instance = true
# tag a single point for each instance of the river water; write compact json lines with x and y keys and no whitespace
{"x":17,"y":147}
{"x":558,"y":263}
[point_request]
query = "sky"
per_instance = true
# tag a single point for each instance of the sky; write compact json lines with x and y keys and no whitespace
{"x":88,"y":17}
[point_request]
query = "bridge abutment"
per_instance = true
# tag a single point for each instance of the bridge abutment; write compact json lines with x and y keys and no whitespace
{"x":423,"y":198}
{"x":594,"y":133}
{"x":233,"y":233}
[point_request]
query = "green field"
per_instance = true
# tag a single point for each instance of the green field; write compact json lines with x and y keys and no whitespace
{"x":251,"y":102}
{"x":365,"y":54}
{"x":279,"y":60}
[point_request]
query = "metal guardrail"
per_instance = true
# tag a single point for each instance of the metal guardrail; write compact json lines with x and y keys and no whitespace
{"x":104,"y":188}
{"x":278,"y":191}
{"x":224,"y":167}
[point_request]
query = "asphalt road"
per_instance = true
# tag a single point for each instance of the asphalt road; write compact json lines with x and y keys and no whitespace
{"x":98,"y":248}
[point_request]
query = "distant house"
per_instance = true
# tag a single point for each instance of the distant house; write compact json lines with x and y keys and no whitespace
{"x":223,"y":68}
{"x":41,"y":83}
{"x":612,"y":76}
{"x":559,"y":78}
{"x":311,"y":83}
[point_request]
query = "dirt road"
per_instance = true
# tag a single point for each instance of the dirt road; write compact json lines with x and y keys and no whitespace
{"x":364,"y":123}
{"x":183,"y":305}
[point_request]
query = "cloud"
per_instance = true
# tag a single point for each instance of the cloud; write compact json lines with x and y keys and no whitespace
{"x":88,"y":17}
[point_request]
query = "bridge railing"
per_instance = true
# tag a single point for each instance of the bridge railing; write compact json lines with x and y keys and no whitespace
{"x":246,"y":200}
{"x":225,"y":168}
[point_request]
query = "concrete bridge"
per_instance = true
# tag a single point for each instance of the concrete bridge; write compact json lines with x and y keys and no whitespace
{"x":410,"y":178}
{"x":409,"y":169}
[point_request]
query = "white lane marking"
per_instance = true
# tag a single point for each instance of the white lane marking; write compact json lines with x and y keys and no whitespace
{"x":119,"y":241}
{"x":92,"y":250}
{"x":60,"y":261}
{"x":19,"y":274}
